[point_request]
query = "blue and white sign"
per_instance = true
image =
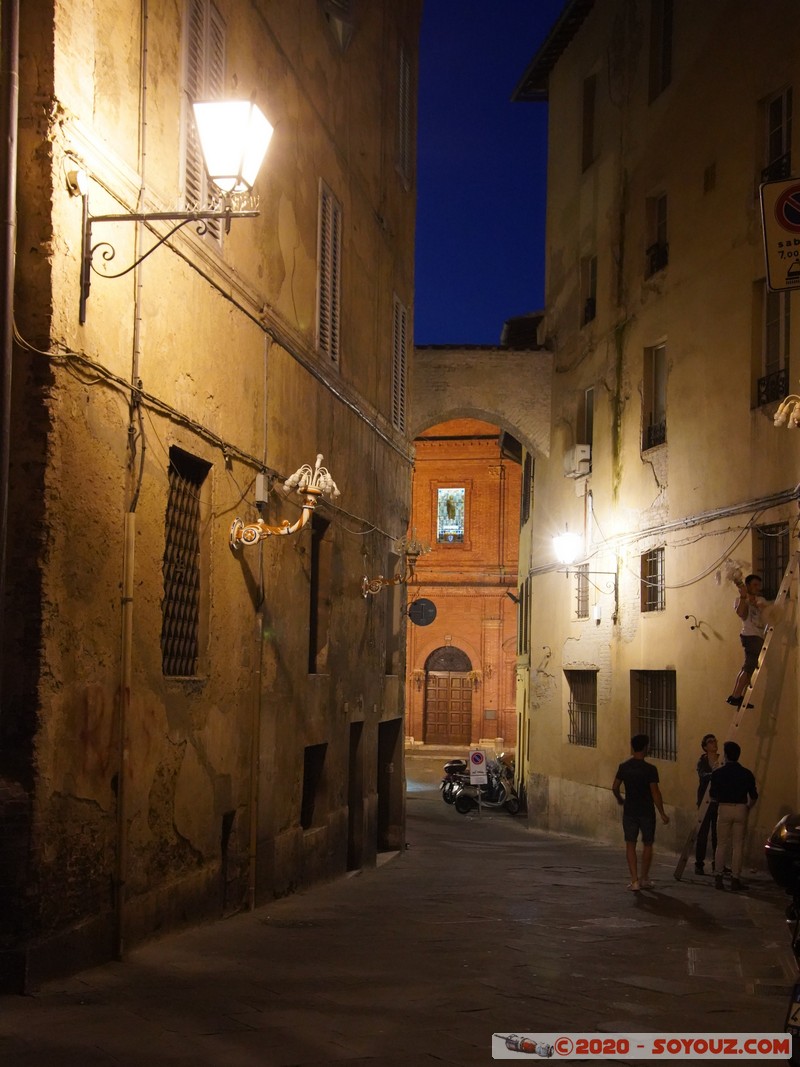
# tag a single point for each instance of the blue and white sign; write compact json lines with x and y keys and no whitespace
{"x":477,"y":767}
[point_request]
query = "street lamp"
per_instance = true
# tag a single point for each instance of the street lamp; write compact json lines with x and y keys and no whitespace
{"x":308,"y":484}
{"x":410,"y":549}
{"x":233,"y":135}
{"x":568,"y":548}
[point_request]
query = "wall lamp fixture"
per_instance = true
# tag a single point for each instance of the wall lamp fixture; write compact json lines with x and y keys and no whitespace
{"x":568,"y":548}
{"x":788,"y":413}
{"x":410,"y":549}
{"x":308,"y":484}
{"x":233,"y":136}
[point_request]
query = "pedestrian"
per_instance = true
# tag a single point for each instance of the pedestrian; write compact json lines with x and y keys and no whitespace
{"x":733,"y":787}
{"x":709,"y":760}
{"x":748,"y":606}
{"x":642,"y":797}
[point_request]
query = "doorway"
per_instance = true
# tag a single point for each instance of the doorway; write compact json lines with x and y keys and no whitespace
{"x":447,"y":718}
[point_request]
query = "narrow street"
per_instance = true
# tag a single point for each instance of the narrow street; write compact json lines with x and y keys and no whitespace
{"x":480,"y":926}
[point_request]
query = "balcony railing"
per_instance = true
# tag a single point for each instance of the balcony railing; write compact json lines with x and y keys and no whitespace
{"x":778,"y":169}
{"x":773,"y":386}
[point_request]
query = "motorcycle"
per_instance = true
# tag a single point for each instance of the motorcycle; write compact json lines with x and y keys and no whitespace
{"x":455,"y":776}
{"x":499,"y":791}
{"x":782,"y":852}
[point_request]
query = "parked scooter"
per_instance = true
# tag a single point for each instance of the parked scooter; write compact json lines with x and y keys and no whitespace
{"x":499,"y":791}
{"x":455,"y":777}
{"x":783,"y":860}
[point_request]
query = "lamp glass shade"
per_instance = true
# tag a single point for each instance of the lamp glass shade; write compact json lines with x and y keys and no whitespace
{"x":567,"y":547}
{"x":234,"y":135}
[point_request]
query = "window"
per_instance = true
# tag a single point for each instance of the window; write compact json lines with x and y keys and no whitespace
{"x":660,"y":46}
{"x":588,"y":121}
{"x":450,"y":515}
{"x":181,"y":569}
{"x":776,"y":336}
{"x":657,"y":253}
{"x":778,"y":137}
{"x":654,"y":711}
{"x":399,"y":365}
{"x":313,"y":768}
{"x":527,"y":489}
{"x":329,"y":265}
{"x":582,"y":591}
{"x":320,"y":606}
{"x":524,"y":618}
{"x":652,"y":581}
{"x":204,"y":79}
{"x":588,"y":289}
{"x":405,"y":115}
{"x":771,"y":556}
{"x":339,"y":17}
{"x":586,"y":417}
{"x":582,"y":708}
{"x":654,"y":397}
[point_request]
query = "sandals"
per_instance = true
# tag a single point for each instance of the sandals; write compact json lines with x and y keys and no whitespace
{"x":634,"y":887}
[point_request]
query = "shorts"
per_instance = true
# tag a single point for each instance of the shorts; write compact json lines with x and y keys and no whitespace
{"x":632,"y":824}
{"x":752,"y":648}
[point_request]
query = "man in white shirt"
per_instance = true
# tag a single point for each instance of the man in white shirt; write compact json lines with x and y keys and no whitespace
{"x":748,"y":607}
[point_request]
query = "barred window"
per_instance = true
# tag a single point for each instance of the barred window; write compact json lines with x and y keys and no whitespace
{"x":772,"y":555}
{"x":582,"y":591}
{"x":181,"y":607}
{"x":653,"y":587}
{"x":399,"y":365}
{"x":329,"y":280}
{"x":582,"y":707}
{"x":654,"y":711}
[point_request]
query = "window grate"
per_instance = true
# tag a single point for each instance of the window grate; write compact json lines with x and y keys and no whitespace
{"x":653,"y":585}
{"x":582,"y":591}
{"x":773,"y":387}
{"x":180,"y":609}
{"x":399,"y":365}
{"x":655,"y":711}
{"x":582,"y":707}
{"x":330,"y":274}
{"x":773,"y":555}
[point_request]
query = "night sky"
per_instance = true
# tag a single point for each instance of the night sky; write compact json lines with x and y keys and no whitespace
{"x":481,"y":169}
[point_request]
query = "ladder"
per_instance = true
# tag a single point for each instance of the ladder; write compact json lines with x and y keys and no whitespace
{"x":702,"y":810}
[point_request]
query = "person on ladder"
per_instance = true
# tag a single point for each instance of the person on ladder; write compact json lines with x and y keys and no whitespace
{"x":749,"y":606}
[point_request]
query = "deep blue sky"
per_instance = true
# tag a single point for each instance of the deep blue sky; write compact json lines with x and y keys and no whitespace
{"x":481,"y":168}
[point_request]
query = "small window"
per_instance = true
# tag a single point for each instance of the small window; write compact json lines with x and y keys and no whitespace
{"x":586,"y":417}
{"x":313,"y":779}
{"x":582,"y":708}
{"x":582,"y":591}
{"x":660,"y":46}
{"x":203,"y":79}
{"x":778,"y":137}
{"x":771,"y":556}
{"x":652,"y":580}
{"x":320,"y":595}
{"x":524,"y":619}
{"x":405,"y":117}
{"x":588,"y":121}
{"x":526,"y":496}
{"x":654,"y":711}
{"x":657,"y":252}
{"x":181,"y":606}
{"x":773,"y":381}
{"x":329,"y":266}
{"x":450,"y":515}
{"x":588,"y":289}
{"x":399,"y":365}
{"x":654,"y":397}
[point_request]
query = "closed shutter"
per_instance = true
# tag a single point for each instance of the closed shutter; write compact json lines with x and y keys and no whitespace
{"x":204,"y":79}
{"x":329,"y":283}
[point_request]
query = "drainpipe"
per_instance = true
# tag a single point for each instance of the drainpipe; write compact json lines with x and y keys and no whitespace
{"x":9,"y":110}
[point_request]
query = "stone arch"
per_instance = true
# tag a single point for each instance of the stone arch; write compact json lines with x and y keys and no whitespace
{"x":510,"y":388}
{"x":448,"y":658}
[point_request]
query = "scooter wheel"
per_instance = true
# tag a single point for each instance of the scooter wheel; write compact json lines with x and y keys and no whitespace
{"x":512,"y":806}
{"x":464,"y":804}
{"x":447,"y":795}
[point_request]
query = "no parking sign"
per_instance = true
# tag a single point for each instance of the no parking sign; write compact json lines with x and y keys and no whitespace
{"x":477,"y":768}
{"x":780,"y":216}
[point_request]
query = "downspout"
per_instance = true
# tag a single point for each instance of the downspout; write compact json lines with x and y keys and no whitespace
{"x":258,"y":695}
{"x":9,"y":111}
{"x":129,"y":537}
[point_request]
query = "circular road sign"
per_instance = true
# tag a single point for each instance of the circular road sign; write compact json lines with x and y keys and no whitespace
{"x":787,"y":209}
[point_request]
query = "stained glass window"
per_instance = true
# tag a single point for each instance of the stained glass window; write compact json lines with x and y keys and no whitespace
{"x":450,"y":515}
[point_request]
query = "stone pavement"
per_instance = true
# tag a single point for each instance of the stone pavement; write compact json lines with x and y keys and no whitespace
{"x":480,"y":926}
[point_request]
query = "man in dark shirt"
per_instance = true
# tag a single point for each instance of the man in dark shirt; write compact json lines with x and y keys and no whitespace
{"x":642,"y":797}
{"x":733,"y":787}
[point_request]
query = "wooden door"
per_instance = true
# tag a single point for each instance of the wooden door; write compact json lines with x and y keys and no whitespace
{"x":448,"y":708}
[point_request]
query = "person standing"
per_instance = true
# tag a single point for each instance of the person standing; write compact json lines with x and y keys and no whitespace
{"x":748,"y":606}
{"x":733,"y":787}
{"x":642,"y":797}
{"x":709,"y":760}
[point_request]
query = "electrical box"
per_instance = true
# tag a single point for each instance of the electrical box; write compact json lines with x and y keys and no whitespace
{"x":262,"y":488}
{"x":577,"y":461}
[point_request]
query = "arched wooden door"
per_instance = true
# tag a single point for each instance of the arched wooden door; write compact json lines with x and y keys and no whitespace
{"x":448,"y":698}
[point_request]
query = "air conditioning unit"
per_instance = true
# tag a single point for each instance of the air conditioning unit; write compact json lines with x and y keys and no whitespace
{"x":577,"y":461}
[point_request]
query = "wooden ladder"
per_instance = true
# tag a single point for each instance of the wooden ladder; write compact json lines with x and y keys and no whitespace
{"x":702,"y":810}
